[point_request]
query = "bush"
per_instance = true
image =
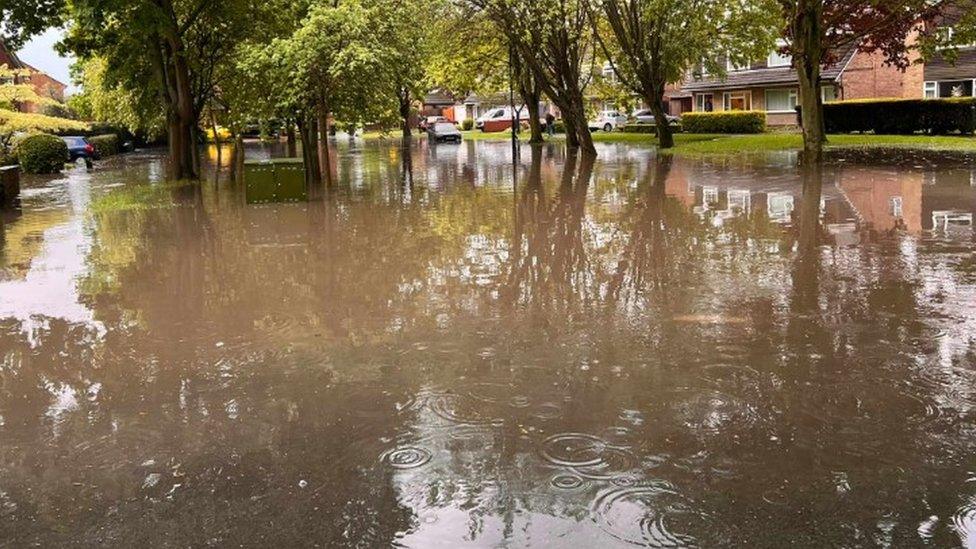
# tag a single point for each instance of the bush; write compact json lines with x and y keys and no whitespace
{"x":559,"y":126}
{"x":105,"y":145}
{"x":467,"y":124}
{"x":42,"y":153}
{"x":902,"y":116}
{"x":724,"y":122}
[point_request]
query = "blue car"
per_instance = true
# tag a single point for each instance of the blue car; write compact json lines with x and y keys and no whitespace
{"x":79,"y":147}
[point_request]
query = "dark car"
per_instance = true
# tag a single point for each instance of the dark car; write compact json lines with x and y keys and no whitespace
{"x":444,"y":131}
{"x":79,"y":147}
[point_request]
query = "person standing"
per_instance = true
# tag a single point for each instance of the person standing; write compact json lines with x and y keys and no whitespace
{"x":550,"y":124}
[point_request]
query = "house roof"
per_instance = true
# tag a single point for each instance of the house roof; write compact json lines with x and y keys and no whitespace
{"x":765,"y":76}
{"x":38,"y":71}
{"x":10,"y":58}
{"x":438,"y":97}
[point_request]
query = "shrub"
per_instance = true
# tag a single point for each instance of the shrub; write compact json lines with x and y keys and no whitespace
{"x":902,"y":116}
{"x":724,"y":122}
{"x":559,"y":126}
{"x":467,"y":124}
{"x":42,"y":153}
{"x":105,"y":145}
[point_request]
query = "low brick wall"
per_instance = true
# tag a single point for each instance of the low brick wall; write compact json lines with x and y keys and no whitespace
{"x":9,"y":184}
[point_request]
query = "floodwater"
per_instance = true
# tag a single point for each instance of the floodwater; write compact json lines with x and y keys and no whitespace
{"x":446,"y":351}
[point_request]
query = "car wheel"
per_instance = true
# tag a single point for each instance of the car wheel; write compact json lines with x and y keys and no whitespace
{"x":607,"y":127}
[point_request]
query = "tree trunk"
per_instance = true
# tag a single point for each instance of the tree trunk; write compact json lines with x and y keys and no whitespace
{"x":404,"y":97}
{"x":535,"y":125}
{"x":665,"y":136}
{"x":308,"y":132}
{"x":290,"y":145}
{"x":808,"y":44}
{"x":572,"y":135}
{"x":237,"y":160}
{"x":323,"y":144}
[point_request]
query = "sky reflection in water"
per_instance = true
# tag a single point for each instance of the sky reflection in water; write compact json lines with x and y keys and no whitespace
{"x":639,"y":351}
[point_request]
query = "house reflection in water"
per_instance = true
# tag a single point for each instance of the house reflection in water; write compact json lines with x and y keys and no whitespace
{"x":858,"y":203}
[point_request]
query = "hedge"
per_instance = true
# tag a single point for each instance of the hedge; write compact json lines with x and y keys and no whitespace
{"x":42,"y":153}
{"x":724,"y":122}
{"x":902,"y":116}
{"x":105,"y":145}
{"x":467,"y":124}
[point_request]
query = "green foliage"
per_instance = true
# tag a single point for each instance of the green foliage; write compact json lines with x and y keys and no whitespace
{"x":41,"y":153}
{"x":107,"y":100}
{"x":902,"y":116}
{"x":105,"y":145}
{"x":724,"y":122}
{"x":467,"y":124}
{"x":15,"y":121}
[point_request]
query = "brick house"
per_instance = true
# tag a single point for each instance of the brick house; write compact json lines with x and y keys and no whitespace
{"x":771,"y":84}
{"x":43,"y":84}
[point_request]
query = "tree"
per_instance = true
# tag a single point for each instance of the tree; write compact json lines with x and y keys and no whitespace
{"x":818,"y":32}
{"x":554,"y":40}
{"x":471,"y":56}
{"x":332,"y":63}
{"x":104,"y":100}
{"x":13,"y":93}
{"x":651,"y":43}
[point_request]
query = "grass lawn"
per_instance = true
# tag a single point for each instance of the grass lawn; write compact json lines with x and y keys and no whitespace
{"x":686,"y":143}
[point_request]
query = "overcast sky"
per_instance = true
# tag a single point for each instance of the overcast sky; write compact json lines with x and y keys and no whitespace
{"x":40,"y":53}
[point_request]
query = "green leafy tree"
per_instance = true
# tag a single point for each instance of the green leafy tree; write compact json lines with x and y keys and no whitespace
{"x":554,"y":41}
{"x":652,"y":43}
{"x":103,"y":100}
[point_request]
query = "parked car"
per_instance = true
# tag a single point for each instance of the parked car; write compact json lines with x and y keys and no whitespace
{"x":79,"y":147}
{"x":608,"y":121}
{"x":444,"y":131}
{"x":429,"y":121}
{"x":645,"y":116}
{"x":494,"y":115}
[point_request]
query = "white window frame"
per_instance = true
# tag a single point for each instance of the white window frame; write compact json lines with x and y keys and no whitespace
{"x":730,"y":65}
{"x":700,"y":101}
{"x":775,"y":55}
{"x":823,"y":97}
{"x":930,"y":87}
{"x":728,"y":96}
{"x":792,"y":95}
{"x":896,"y":206}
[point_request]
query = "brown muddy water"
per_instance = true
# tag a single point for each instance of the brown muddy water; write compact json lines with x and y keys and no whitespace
{"x":444,"y":352}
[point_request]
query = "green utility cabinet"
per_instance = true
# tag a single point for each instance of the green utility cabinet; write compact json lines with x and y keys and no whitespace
{"x":277,"y":180}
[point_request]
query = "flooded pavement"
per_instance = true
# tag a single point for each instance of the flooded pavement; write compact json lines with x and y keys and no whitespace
{"x":447,"y":352}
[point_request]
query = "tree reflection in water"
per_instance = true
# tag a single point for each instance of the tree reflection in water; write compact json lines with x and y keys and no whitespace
{"x":642,"y":350}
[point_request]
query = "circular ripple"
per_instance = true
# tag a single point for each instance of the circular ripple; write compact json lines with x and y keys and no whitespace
{"x":456,"y":409}
{"x":964,"y":523}
{"x":640,"y":515}
{"x":567,"y":482}
{"x":574,"y":450}
{"x":407,"y":457}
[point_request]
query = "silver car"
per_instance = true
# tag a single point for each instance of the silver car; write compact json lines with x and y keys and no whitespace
{"x":646,"y":116}
{"x":443,"y":131}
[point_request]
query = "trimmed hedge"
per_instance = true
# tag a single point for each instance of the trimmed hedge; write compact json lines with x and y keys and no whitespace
{"x":902,"y":116}
{"x":724,"y":122}
{"x":105,"y":145}
{"x":467,"y":124}
{"x":42,"y":153}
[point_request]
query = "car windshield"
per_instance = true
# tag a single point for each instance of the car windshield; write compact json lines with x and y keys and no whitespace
{"x":444,"y":127}
{"x":75,"y":141}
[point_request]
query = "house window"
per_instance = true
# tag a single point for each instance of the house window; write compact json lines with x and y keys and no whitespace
{"x":828,"y":93}
{"x":608,"y":73}
{"x":737,"y":101}
{"x":781,"y":100}
{"x":703,"y":102}
{"x":732,"y":66}
{"x":896,"y":206}
{"x":777,"y":59}
{"x":931,"y":90}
